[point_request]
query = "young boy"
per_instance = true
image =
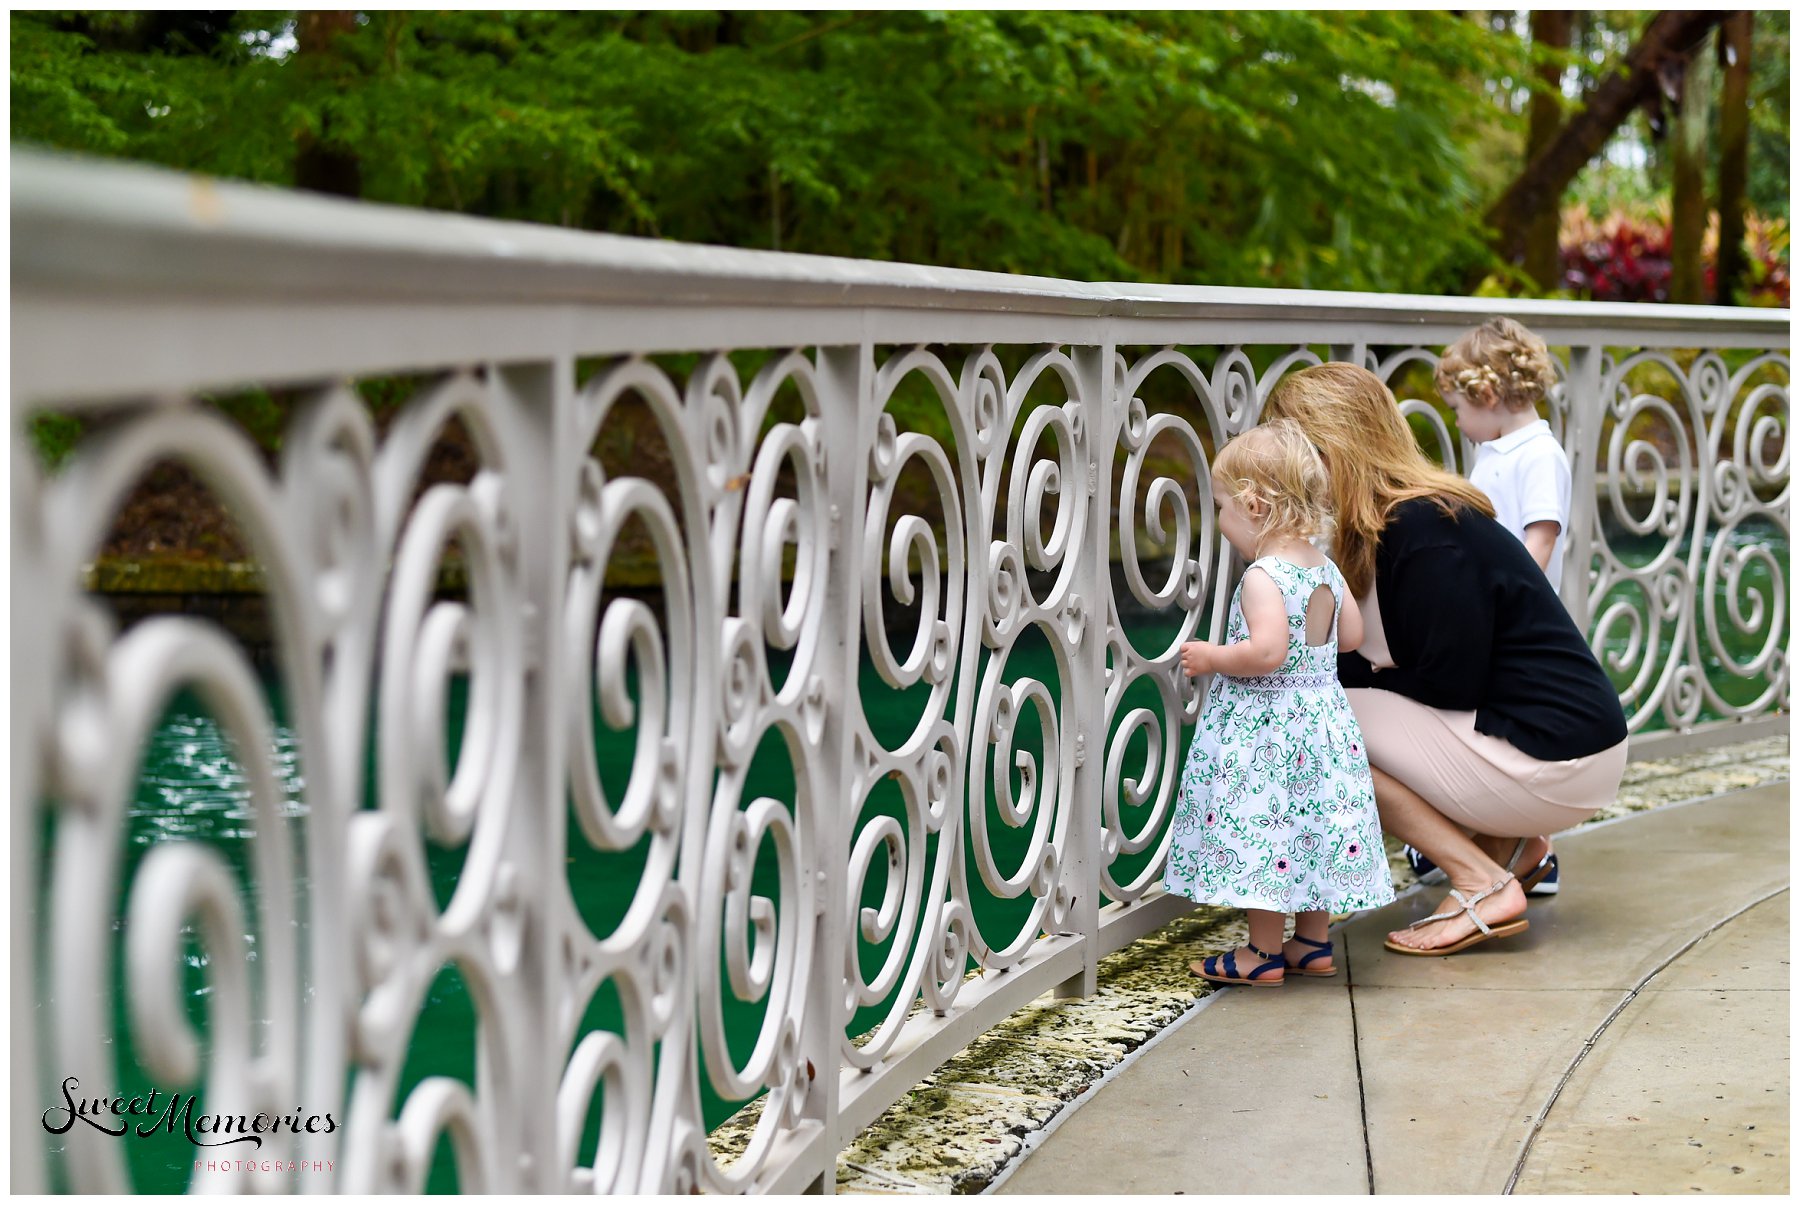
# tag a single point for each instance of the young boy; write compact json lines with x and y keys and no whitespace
{"x":1493,"y":378}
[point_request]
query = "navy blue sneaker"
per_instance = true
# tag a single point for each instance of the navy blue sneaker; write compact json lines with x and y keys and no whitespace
{"x":1424,"y":868}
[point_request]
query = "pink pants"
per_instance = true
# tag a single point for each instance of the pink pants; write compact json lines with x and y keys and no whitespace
{"x":1481,"y":782}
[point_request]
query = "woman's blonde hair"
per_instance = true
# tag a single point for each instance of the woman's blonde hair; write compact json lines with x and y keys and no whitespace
{"x":1372,"y":461}
{"x":1276,"y":464}
{"x":1499,"y":363}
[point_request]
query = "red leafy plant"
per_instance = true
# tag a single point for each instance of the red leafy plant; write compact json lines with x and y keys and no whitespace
{"x":1627,"y":256}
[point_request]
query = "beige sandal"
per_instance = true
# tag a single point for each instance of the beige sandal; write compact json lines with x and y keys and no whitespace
{"x":1505,"y":928}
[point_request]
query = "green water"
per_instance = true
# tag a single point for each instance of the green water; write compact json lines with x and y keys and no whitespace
{"x":190,"y":788}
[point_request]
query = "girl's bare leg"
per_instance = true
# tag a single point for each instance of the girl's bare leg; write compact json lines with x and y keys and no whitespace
{"x":1266,"y":928}
{"x":1313,"y":926}
{"x":1407,"y":816}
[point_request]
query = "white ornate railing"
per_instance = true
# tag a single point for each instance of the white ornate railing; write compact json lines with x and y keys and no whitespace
{"x":789,"y":535}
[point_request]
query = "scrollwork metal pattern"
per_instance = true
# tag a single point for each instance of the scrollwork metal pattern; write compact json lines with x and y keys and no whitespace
{"x":1695,"y":478}
{"x":807,"y":519}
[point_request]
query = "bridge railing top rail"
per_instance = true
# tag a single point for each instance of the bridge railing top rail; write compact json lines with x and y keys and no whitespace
{"x":78,"y":222}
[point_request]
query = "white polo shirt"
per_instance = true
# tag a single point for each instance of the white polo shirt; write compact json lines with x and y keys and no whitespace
{"x":1526,"y":475}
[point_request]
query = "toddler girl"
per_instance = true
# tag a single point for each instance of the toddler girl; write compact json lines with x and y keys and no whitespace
{"x":1277,"y":810}
{"x":1493,"y":378}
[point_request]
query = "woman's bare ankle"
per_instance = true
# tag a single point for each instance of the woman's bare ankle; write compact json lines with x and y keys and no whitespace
{"x":1501,"y":850}
{"x":1502,"y":895}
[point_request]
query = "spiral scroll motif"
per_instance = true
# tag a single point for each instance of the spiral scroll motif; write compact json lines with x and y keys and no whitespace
{"x":1690,"y":597}
{"x":916,"y":910}
{"x":1036,"y":483}
{"x":1225,"y":401}
{"x":110,"y":691}
{"x":765,"y":940}
{"x":646,"y":958}
{"x":1657,"y":507}
{"x":468,"y":804}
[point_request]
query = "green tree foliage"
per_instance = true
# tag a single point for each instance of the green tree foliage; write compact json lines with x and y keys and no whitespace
{"x":1769,"y":140}
{"x":1315,"y":150}
{"x":1346,"y":150}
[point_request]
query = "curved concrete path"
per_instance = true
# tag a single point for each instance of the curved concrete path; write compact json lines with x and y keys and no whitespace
{"x":1635,"y":1039}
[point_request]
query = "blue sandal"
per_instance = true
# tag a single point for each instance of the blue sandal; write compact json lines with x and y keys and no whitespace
{"x":1320,"y":949}
{"x":1209,"y":968}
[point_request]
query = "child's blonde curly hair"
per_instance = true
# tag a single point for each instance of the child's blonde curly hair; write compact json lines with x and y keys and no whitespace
{"x":1499,"y":363}
{"x":1275,"y":464}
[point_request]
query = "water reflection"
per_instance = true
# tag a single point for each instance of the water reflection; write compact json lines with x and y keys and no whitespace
{"x":192,"y":787}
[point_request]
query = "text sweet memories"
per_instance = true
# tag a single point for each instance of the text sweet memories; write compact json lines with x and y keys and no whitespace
{"x":176,"y":1115}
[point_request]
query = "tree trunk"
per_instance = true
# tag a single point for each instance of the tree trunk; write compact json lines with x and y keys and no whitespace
{"x":774,"y":208}
{"x":1550,"y":30}
{"x":1666,"y":42}
{"x":1687,"y":281}
{"x":321,"y":164}
{"x":1734,"y":154}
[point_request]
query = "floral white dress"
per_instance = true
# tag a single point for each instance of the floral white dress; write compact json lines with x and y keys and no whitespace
{"x":1277,"y":809}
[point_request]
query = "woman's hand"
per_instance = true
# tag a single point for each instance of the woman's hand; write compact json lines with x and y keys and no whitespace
{"x":1197,"y":657}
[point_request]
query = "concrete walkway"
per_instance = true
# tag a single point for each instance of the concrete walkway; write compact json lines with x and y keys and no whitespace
{"x":1635,"y":1039}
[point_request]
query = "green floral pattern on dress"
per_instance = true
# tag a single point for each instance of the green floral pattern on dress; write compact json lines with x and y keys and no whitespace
{"x":1277,"y":809}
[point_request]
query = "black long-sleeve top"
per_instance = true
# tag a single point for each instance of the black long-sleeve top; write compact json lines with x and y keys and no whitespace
{"x":1474,"y":625}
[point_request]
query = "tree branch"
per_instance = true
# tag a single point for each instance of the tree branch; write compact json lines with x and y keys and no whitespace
{"x":809,"y":35}
{"x":1666,"y":42}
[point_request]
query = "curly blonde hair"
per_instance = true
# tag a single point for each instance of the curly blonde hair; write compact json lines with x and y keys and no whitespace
{"x":1276,"y":464}
{"x":1351,"y":416}
{"x":1499,"y":363}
